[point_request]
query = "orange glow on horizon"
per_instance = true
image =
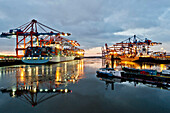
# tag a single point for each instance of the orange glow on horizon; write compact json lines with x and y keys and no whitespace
{"x":96,"y":51}
{"x":8,"y":53}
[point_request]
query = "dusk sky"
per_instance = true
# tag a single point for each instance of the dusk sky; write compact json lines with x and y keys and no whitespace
{"x":91,"y":22}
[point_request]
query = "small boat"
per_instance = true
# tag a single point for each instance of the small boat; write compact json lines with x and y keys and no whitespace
{"x":166,"y":72}
{"x":140,"y":71}
{"x":109,"y":72}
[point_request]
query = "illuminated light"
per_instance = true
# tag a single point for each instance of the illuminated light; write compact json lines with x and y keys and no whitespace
{"x":28,"y":58}
{"x":162,"y":67}
{"x":22,"y":46}
{"x":61,"y":90}
{"x":54,"y":90}
{"x":14,"y":89}
{"x":35,"y":57}
{"x":41,"y":90}
{"x":66,"y":90}
{"x":73,"y":81}
{"x":35,"y":90}
{"x":46,"y":90}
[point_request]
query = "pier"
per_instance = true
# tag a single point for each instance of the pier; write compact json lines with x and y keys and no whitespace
{"x":6,"y":61}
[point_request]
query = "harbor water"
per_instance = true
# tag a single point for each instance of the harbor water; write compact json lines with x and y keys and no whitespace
{"x":73,"y":87}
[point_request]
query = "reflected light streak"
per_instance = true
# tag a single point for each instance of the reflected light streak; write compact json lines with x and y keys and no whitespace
{"x":51,"y":69}
{"x":158,"y":67}
{"x":80,"y":68}
{"x":58,"y":75}
{"x":42,"y":70}
{"x":65,"y":67}
{"x":22,"y":74}
{"x":47,"y":70}
{"x":36,"y":71}
{"x":29,"y":71}
{"x":162,"y":67}
{"x":34,"y":89}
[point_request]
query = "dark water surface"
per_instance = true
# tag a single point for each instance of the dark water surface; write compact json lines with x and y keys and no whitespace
{"x":72,"y":87}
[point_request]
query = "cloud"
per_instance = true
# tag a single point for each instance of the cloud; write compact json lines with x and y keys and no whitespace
{"x":94,"y":51}
{"x":131,"y":32}
{"x":92,"y":22}
{"x":2,"y":15}
{"x":165,"y":16}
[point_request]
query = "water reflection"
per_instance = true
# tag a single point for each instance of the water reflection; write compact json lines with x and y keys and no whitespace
{"x":136,"y":81}
{"x":142,"y":65}
{"x":34,"y":84}
{"x":162,"y":82}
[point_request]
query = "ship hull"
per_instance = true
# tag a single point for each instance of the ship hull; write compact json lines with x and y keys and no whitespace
{"x":43,"y":60}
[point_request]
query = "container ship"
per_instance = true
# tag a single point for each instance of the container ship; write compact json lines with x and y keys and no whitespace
{"x":53,"y":54}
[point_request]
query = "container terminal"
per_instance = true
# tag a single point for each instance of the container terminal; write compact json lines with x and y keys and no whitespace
{"x":37,"y":43}
{"x":135,"y":49}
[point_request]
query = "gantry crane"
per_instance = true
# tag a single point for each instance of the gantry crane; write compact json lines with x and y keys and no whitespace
{"x":131,"y":47}
{"x":35,"y":33}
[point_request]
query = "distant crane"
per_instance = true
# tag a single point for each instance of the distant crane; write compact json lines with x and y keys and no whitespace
{"x":131,"y":47}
